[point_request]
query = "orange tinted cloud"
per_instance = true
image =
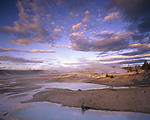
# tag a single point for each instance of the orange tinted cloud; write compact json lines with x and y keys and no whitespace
{"x":41,"y":51}
{"x":120,"y":57}
{"x":139,"y":45}
{"x":113,"y":15}
{"x":87,"y":12}
{"x":27,"y":51}
{"x":25,"y":41}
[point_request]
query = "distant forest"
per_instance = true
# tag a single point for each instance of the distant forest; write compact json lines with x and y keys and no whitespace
{"x":137,"y":68}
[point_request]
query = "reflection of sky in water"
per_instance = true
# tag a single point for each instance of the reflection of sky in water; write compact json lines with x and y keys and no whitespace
{"x":48,"y":111}
{"x":73,"y":86}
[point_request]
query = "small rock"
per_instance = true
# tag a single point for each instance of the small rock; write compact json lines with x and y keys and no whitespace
{"x":84,"y":108}
{"x":79,"y":90}
{"x":144,"y":91}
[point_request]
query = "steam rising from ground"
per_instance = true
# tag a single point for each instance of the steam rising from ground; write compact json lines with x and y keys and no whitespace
{"x":74,"y":68}
{"x":90,"y":67}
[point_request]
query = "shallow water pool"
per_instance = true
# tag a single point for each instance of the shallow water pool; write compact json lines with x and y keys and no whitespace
{"x":50,"y":111}
{"x":16,"y":110}
{"x":73,"y":85}
{"x":76,"y":86}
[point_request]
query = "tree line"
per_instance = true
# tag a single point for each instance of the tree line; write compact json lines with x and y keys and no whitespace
{"x":145,"y":67}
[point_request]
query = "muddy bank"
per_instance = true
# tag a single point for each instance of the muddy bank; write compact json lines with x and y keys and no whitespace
{"x":132,"y":99}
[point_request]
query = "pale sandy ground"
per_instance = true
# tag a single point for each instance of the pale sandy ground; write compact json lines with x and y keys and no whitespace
{"x":120,"y":79}
{"x":131,"y":99}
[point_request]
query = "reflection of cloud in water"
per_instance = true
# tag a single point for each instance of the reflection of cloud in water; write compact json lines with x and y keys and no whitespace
{"x":73,"y":86}
{"x":50,"y":111}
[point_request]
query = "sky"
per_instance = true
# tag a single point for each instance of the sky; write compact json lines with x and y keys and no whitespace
{"x":49,"y":34}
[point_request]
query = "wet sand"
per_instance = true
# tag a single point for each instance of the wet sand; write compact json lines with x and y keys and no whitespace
{"x":132,"y":99}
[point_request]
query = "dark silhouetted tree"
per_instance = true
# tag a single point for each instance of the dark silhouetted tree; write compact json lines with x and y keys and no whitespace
{"x":146,"y":66}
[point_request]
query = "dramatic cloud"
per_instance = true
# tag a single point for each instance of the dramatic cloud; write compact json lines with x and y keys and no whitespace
{"x":34,"y":23}
{"x":113,"y":15}
{"x":40,"y":51}
{"x":79,"y":26}
{"x":9,"y":49}
{"x":105,"y":34}
{"x":27,"y":51}
{"x":111,"y":58}
{"x":138,"y":49}
{"x":18,"y":60}
{"x":137,"y":12}
{"x":107,"y":42}
{"x":137,"y":61}
{"x":79,"y":41}
{"x":115,"y":34}
{"x":26,"y":41}
{"x":133,"y":53}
